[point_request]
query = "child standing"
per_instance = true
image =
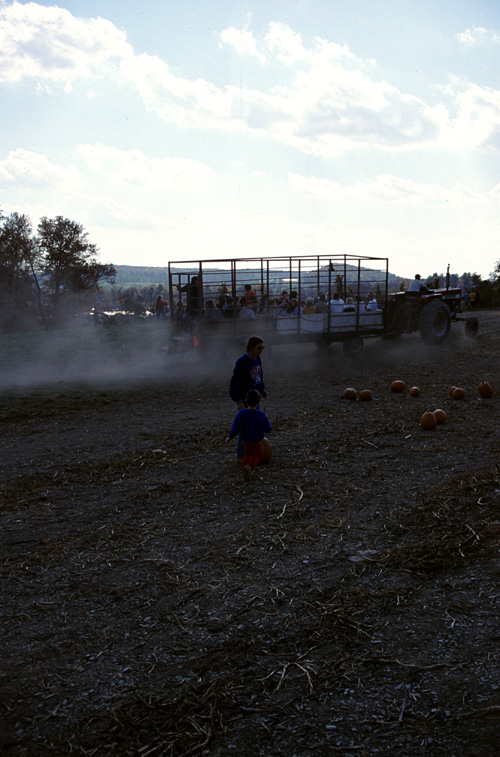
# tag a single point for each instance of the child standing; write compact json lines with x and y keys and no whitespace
{"x":252,"y":424}
{"x":247,"y":374}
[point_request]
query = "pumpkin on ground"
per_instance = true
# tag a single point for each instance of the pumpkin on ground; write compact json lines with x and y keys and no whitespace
{"x":458,"y":393}
{"x":485,"y":389}
{"x":441,"y":416}
{"x":365,"y":394}
{"x":267,"y":451}
{"x":398,"y":386}
{"x":414,"y":391}
{"x":428,"y":421}
{"x":350,"y":393}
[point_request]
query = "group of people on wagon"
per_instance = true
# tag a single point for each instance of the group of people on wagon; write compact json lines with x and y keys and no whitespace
{"x":248,"y":307}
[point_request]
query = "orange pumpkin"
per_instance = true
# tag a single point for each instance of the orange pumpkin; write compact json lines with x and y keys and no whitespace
{"x":414,"y":391}
{"x":428,"y":421}
{"x":457,"y":393}
{"x":452,"y":390}
{"x":441,"y":416}
{"x":485,"y":389}
{"x":350,"y":393}
{"x":398,"y":386}
{"x":267,"y":451}
{"x":365,"y":394}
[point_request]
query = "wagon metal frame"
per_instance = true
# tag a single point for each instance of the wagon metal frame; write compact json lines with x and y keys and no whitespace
{"x":352,"y":276}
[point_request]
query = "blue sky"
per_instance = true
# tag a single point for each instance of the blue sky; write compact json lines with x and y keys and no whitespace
{"x":208,"y":130}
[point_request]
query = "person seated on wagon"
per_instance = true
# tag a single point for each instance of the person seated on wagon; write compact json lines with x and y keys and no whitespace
{"x":246,"y":312}
{"x":294,"y":308}
{"x":273,"y":309}
{"x":372,"y":303}
{"x":227,"y":308}
{"x":360,"y":305}
{"x":309,"y":307}
{"x":322,"y":304}
{"x":349,"y":307}
{"x":336,"y":304}
{"x":212,"y":313}
{"x":283,"y":299}
{"x":263,"y":305}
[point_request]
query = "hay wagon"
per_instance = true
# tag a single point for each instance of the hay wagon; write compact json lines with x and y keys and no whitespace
{"x":208,"y":299}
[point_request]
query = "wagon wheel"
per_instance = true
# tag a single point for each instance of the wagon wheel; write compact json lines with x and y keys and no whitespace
{"x":322,"y":343}
{"x":353,"y":347}
{"x":471,"y":326}
{"x":434,"y":322}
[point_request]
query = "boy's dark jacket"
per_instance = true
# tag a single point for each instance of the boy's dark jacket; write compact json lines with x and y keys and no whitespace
{"x":252,"y":424}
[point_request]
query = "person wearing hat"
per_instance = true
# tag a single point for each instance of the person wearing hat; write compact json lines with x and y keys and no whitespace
{"x":416,"y":284}
{"x":309,"y":307}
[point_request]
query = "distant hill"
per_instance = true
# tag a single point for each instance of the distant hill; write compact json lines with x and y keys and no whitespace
{"x":143,"y":276}
{"x":133,"y":275}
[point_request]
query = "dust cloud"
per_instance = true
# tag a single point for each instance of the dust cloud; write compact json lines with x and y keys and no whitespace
{"x":137,"y":353}
{"x":91,"y":355}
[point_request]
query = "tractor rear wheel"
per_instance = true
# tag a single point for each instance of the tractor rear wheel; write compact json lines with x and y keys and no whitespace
{"x":434,"y":322}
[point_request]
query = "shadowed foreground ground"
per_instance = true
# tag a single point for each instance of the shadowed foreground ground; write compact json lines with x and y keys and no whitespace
{"x":345,"y":602}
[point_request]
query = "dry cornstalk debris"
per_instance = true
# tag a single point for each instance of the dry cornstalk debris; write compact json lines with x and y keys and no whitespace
{"x":146,"y":595}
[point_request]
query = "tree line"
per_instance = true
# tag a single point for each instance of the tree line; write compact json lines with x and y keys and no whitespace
{"x":48,"y":276}
{"x":51,"y":276}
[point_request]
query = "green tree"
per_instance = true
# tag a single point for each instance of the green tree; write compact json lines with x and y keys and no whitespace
{"x":19,"y":286}
{"x":495,"y":276}
{"x":467,"y":282}
{"x":69,"y":265}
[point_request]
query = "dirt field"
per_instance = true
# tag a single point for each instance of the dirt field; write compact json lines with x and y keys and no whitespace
{"x":345,"y":602}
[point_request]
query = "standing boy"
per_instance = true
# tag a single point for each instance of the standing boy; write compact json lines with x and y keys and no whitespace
{"x":252,"y":425}
{"x":247,"y":374}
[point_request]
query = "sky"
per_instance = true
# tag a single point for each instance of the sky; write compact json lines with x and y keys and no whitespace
{"x":185,"y":130}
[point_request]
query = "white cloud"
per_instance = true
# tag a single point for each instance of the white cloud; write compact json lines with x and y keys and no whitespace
{"x":385,"y":189}
{"x":324,"y":104}
{"x":285,"y":43}
{"x":50,"y":45}
{"x":134,"y":169}
{"x":243,"y":42}
{"x":26,"y":169}
{"x":478,"y":35}
{"x":324,"y":101}
{"x":186,"y":103}
{"x":106,"y":213}
{"x":477,"y":123}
